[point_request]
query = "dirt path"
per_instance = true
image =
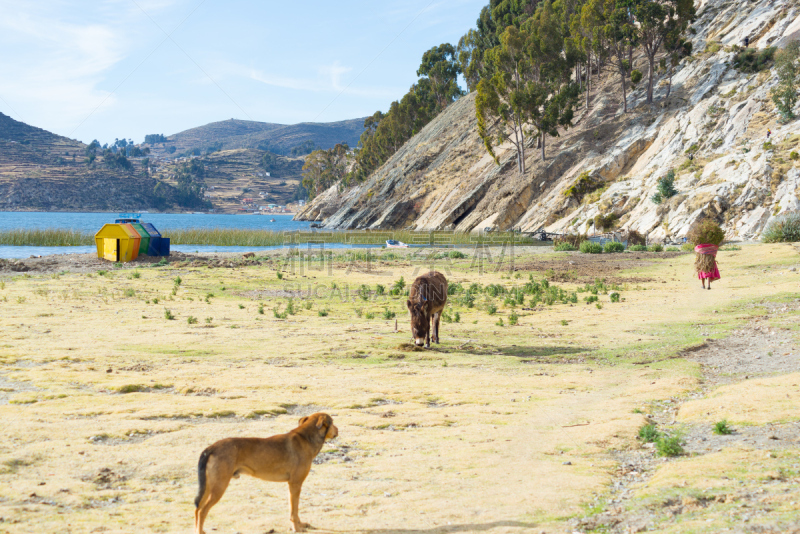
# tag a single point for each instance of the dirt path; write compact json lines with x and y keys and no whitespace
{"x":758,"y":350}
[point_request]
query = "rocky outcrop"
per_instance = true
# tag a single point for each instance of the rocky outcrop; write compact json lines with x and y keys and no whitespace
{"x":711,"y":131}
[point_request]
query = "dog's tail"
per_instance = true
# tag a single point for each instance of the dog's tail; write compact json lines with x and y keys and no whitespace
{"x":201,"y":475}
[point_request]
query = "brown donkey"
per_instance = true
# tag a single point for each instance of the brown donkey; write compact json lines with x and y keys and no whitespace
{"x":426,"y":300}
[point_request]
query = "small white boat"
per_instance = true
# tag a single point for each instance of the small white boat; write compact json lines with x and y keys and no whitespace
{"x":391,"y":243}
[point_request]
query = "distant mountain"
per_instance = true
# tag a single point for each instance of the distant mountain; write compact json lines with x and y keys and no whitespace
{"x":40,"y":170}
{"x":278,"y":138}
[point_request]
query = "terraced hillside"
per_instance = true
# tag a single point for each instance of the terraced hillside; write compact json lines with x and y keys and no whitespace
{"x":43,"y":171}
{"x":277,"y":138}
{"x":231,"y":176}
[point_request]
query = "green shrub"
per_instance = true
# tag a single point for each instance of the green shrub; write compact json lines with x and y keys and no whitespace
{"x":178,"y":281}
{"x":637,"y":248}
{"x":636,"y":77}
{"x":666,"y":187}
{"x":590,"y":247}
{"x":793,"y":155}
{"x":457,"y":255}
{"x":130,"y":292}
{"x":657,"y":247}
{"x":500,"y":322}
{"x":191,"y":320}
{"x":261,"y":310}
{"x":649,"y":434}
{"x":491,"y":309}
{"x":606,"y":222}
{"x":168,"y":315}
{"x":669,"y":446}
{"x":136,"y":274}
{"x":369,"y":315}
{"x":388,"y":314}
{"x":279,"y":275}
{"x":705,"y":231}
{"x":614,"y":297}
{"x":359,"y":312}
{"x":784,"y":229}
{"x":323,"y":312}
{"x":752,"y":60}
{"x":614,"y":246}
{"x":380,"y":290}
{"x":564,"y":247}
{"x":572,"y":239}
{"x":722,"y":428}
{"x":513,"y":319}
{"x":456,"y":317}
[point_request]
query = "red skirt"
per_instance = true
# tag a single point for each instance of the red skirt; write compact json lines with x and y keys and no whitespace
{"x":713,"y":275}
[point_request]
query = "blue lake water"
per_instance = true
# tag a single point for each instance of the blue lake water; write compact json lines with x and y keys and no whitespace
{"x":91,"y":222}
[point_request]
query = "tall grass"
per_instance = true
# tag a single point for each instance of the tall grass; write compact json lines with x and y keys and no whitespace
{"x":784,"y":229}
{"x":55,"y":237}
{"x":47,"y":237}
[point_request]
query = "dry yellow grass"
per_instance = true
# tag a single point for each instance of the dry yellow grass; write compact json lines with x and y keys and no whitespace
{"x":471,"y":436}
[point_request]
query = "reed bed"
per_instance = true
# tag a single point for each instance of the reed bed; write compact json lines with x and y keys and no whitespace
{"x":45,"y":237}
{"x":56,"y":237}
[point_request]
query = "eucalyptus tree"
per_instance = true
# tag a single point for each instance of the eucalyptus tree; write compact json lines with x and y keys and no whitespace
{"x":618,"y":38}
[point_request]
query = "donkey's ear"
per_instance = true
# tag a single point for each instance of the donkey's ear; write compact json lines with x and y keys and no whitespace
{"x":409,"y":305}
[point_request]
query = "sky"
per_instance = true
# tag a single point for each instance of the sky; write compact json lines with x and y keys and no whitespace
{"x":109,"y":69}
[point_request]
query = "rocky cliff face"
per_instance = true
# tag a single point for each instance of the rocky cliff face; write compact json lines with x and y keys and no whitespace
{"x":712,"y":130}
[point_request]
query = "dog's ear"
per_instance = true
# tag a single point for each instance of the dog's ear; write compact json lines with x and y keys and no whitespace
{"x":320,"y":420}
{"x":303,"y":419}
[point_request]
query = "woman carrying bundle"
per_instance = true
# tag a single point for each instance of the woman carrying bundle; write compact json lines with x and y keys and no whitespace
{"x":706,"y":236}
{"x":705,"y":263}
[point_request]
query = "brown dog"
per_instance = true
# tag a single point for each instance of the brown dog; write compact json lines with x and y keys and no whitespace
{"x":281,"y":458}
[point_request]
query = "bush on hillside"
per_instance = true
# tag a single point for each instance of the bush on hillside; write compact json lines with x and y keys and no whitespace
{"x":666,"y":188}
{"x":656,"y":248}
{"x":752,"y":60}
{"x":590,"y":247}
{"x":784,"y":229}
{"x":637,"y":248}
{"x":705,"y":231}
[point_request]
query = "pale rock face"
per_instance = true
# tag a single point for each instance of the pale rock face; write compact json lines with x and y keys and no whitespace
{"x":444,"y":179}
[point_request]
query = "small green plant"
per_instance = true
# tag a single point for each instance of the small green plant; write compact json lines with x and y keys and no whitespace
{"x":722,"y":428}
{"x":599,"y":306}
{"x":637,"y":248}
{"x":290,"y":309}
{"x":614,"y":246}
{"x":513,"y":319}
{"x":457,"y":255}
{"x":130,"y":388}
{"x":191,"y":320}
{"x":308,"y":304}
{"x":364,"y":292}
{"x":279,"y":275}
{"x":564,"y":247}
{"x":102,"y":272}
{"x":359,"y":312}
{"x":241,"y":306}
{"x":793,"y":155}
{"x":614,"y":297}
{"x":136,"y":274}
{"x":666,"y":187}
{"x":261,"y":309}
{"x":277,"y":314}
{"x":380,"y":290}
{"x":130,"y":292}
{"x":564,"y":322}
{"x":657,"y":247}
{"x":590,"y":247}
{"x":491,"y":309}
{"x":369,"y":316}
{"x":388,"y":314}
{"x":752,"y":60}
{"x":168,"y":315}
{"x":767,"y":145}
{"x":456,"y":317}
{"x":500,"y":322}
{"x":20,"y":300}
{"x":669,"y":446}
{"x":323,"y":312}
{"x":209,"y":320}
{"x":155,"y":301}
{"x":590,"y":299}
{"x":177,"y":280}
{"x":649,"y":433}
{"x":161,"y":263}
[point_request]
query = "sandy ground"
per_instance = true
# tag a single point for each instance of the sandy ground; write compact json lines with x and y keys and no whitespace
{"x":107,"y":402}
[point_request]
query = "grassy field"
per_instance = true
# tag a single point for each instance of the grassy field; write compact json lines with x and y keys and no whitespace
{"x":113,"y":382}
